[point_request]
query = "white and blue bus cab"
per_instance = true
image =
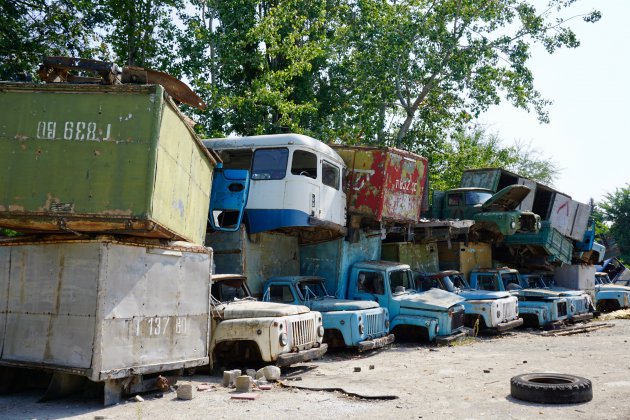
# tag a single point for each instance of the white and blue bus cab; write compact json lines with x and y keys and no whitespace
{"x":295,"y":182}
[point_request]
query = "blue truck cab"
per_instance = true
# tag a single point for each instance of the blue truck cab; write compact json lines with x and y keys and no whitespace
{"x":537,"y":307}
{"x":435,"y":315}
{"x":497,"y":311}
{"x":611,"y":296}
{"x":351,"y":323}
{"x":580,"y":306}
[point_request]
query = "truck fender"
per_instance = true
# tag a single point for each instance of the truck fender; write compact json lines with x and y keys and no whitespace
{"x":427,"y":323}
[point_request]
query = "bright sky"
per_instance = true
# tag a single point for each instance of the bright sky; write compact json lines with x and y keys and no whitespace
{"x":588,"y":135}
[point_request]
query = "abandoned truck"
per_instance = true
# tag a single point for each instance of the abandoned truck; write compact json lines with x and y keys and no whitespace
{"x":580,"y":303}
{"x":537,"y":307}
{"x":295,"y":184}
{"x":611,"y":296}
{"x":496,"y":311}
{"x":435,"y":315}
{"x":492,"y":212}
{"x":244,"y":329}
{"x":351,"y":323}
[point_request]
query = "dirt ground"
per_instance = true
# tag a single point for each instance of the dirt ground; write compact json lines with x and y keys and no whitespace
{"x":467,"y":381}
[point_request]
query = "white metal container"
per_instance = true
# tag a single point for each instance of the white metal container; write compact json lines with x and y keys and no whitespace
{"x":102,"y":308}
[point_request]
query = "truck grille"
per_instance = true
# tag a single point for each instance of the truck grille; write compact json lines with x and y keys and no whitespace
{"x":457,"y":320}
{"x":509,"y":310}
{"x":562,"y":308}
{"x":374,"y":323}
{"x":302,"y":332}
{"x":580,"y":306}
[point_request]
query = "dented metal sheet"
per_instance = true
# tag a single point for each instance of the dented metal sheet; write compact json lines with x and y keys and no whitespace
{"x":332,"y":260}
{"x":104,"y":309}
{"x":90,"y":158}
{"x":258,"y":256}
{"x":422,"y":257}
{"x":384,"y":184}
{"x":464,"y":257}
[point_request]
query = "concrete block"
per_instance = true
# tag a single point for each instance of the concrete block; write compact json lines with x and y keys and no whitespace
{"x":185,"y":392}
{"x":244,"y":383}
{"x":272,"y":373}
{"x":260,"y":374}
{"x":251,"y":373}
{"x":578,"y":277}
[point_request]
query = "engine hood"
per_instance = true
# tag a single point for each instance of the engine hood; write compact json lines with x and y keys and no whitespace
{"x":331,"y":305}
{"x":433,"y":299}
{"x":238,"y":310}
{"x":614,"y":288}
{"x":507,"y":199}
{"x":540,"y":293}
{"x":472,"y":294}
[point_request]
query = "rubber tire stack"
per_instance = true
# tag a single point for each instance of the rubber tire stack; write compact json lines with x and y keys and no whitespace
{"x":551,"y":388}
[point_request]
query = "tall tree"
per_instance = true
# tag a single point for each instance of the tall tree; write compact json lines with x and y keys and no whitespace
{"x":31,"y":29}
{"x":616,"y":209}
{"x":410,"y":58}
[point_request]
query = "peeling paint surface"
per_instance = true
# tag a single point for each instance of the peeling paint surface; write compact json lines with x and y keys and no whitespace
{"x":384,"y":184}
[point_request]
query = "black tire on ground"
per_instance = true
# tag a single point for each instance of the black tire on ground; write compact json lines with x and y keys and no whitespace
{"x":551,"y":388}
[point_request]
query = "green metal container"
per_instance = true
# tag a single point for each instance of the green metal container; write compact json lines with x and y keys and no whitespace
{"x":92,"y":158}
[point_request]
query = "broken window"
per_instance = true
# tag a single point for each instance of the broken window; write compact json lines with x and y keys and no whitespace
{"x":270,"y":164}
{"x":400,"y":281}
{"x":510,"y":281}
{"x":304,"y":163}
{"x":236,"y":159}
{"x":477,"y":197}
{"x":330,"y":175}
{"x":280,"y":294}
{"x":486,"y":282}
{"x":371,"y":282}
{"x":227,"y":291}
{"x":312,"y":289}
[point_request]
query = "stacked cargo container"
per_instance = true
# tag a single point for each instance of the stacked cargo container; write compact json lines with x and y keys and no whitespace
{"x":109,"y":187}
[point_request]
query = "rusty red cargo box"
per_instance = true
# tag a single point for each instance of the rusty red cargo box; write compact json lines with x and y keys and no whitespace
{"x":384,"y":184}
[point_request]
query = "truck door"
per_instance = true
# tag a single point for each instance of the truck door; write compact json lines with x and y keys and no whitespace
{"x":228,"y":198}
{"x":302,"y":190}
{"x":332,"y":198}
{"x":370,"y":285}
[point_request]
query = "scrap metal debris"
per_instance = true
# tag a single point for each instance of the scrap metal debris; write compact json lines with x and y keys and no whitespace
{"x":578,"y":329}
{"x":341,"y":390}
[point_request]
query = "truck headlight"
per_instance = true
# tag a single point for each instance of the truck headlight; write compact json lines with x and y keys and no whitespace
{"x":284,"y":340}
{"x":437,"y":329}
{"x":387,"y":323}
{"x":361,"y":329}
{"x":320,"y":331}
{"x":513,"y":224}
{"x":538,"y":225}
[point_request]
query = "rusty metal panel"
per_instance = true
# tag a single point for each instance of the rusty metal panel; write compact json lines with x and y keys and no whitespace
{"x":259,"y":256}
{"x":562,"y":214}
{"x":384,"y":184}
{"x":332,"y":260}
{"x":100,"y":158}
{"x":464,"y":258}
{"x":422,"y":257}
{"x":106,"y":307}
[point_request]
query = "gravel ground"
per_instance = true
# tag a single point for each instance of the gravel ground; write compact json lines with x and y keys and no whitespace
{"x":466,"y":381}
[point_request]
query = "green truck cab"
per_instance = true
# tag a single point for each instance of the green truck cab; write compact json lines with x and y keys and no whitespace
{"x":496,"y":213}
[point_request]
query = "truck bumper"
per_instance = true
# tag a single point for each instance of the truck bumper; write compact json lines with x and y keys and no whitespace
{"x":581,"y":317}
{"x":504,"y":326}
{"x":287,"y":359}
{"x":446,"y":339}
{"x":376,"y":343}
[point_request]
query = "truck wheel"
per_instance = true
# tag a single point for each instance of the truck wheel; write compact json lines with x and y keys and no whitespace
{"x":551,"y":388}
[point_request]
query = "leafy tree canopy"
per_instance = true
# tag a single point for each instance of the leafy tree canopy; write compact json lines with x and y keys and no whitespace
{"x":616,"y":210}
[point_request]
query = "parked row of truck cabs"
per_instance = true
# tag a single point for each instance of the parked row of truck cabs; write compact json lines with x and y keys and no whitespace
{"x":495,"y":310}
{"x":438,"y":313}
{"x":350,"y":323}
{"x":537,"y":307}
{"x":245,"y":329}
{"x":295,"y":180}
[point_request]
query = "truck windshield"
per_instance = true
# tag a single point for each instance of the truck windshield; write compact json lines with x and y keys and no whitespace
{"x":477,"y":197}
{"x":312,"y":289}
{"x":487,"y":282}
{"x":622,"y":282}
{"x":510,"y":281}
{"x":401,"y":281}
{"x":228,"y":291}
{"x":270,"y":164}
{"x":455,"y":281}
{"x":535,"y":282}
{"x":602,"y":279}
